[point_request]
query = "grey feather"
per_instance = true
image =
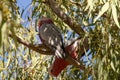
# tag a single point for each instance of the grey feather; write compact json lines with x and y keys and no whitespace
{"x":52,"y":37}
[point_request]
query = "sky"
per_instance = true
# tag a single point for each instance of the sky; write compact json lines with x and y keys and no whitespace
{"x":24,"y":8}
{"x":23,"y":3}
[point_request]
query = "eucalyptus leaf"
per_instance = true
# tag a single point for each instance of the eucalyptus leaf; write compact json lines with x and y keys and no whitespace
{"x":114,"y":13}
{"x":104,"y":8}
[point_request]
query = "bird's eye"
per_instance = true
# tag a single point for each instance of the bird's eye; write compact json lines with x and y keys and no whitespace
{"x":51,"y":70}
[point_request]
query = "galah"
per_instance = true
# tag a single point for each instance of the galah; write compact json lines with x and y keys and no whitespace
{"x":60,"y":64}
{"x":51,"y":36}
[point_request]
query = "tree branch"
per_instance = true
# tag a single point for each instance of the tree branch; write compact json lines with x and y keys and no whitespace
{"x":70,"y":22}
{"x":41,"y":48}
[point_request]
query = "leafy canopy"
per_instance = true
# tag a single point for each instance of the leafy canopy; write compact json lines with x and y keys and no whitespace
{"x":97,"y":20}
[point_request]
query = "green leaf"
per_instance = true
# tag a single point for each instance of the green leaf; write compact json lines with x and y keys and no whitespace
{"x":8,"y":63}
{"x":110,"y":39}
{"x":0,"y":18}
{"x":112,"y":65}
{"x":0,"y":28}
{"x":103,"y":10}
{"x":1,"y":69}
{"x":3,"y":33}
{"x":114,"y":13}
{"x":0,"y":37}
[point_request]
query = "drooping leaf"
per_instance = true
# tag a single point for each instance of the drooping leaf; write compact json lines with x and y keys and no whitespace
{"x":104,"y":8}
{"x":110,"y":39}
{"x":114,"y":13}
{"x":112,"y":65}
{"x":1,"y":69}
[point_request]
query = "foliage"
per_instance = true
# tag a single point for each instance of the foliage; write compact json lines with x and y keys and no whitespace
{"x":99,"y":19}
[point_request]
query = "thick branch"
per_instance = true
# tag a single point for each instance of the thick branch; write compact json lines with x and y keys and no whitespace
{"x":70,"y":22}
{"x":41,"y":48}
